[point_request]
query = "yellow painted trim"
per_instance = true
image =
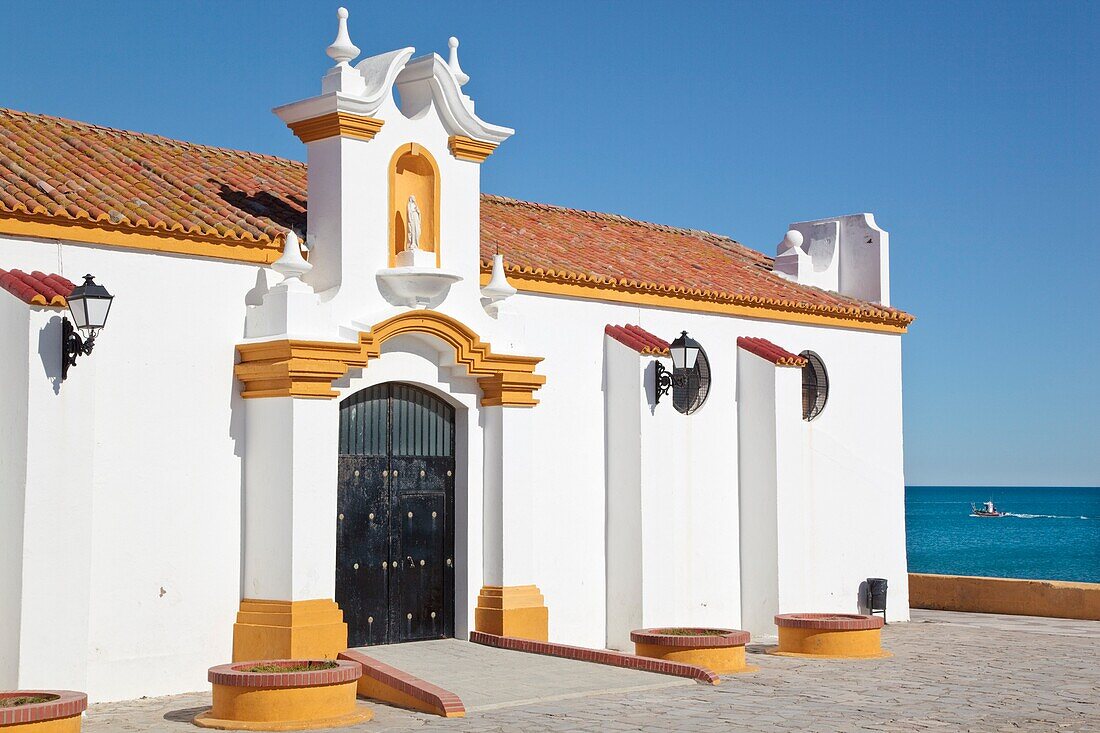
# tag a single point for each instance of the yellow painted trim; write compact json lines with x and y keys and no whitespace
{"x":293,"y":368}
{"x":197,"y":244}
{"x":1052,"y":598}
{"x":518,"y":611}
{"x":70,"y":724}
{"x":378,"y":690}
{"x":466,"y":148}
{"x":289,"y":630}
{"x":336,"y":123}
{"x":283,"y":708}
{"x":857,"y":644}
{"x":579,"y":285}
{"x":420,"y":150}
{"x":720,"y":659}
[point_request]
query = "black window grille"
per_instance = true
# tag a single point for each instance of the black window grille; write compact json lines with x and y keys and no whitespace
{"x":815,"y":386}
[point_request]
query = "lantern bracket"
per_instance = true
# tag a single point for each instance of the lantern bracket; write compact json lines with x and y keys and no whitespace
{"x":664,"y":380}
{"x":72,"y":346}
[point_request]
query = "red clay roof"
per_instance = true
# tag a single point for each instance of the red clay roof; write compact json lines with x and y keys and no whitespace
{"x":37,"y":288}
{"x":638,"y":339}
{"x":767,"y":350}
{"x":61,"y":171}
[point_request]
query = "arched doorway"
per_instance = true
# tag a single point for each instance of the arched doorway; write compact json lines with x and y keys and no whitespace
{"x":395,"y":526}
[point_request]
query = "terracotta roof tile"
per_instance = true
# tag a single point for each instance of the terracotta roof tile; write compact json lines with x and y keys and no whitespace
{"x":638,"y":338}
{"x":37,"y":288}
{"x":58,"y":170}
{"x":767,"y":350}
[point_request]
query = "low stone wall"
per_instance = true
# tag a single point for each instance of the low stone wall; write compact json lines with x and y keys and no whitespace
{"x":1052,"y":598}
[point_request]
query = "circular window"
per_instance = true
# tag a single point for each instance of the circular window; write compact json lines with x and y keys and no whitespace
{"x":815,"y":385}
{"x":690,"y":392}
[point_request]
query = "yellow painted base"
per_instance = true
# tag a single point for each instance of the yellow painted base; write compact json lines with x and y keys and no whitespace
{"x":289,"y":630}
{"x":720,"y":659}
{"x":518,"y":611}
{"x":375,"y":690}
{"x":288,"y":708}
{"x":863,"y":644}
{"x":70,"y":724}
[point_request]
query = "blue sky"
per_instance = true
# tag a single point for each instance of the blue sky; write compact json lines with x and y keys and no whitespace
{"x":970,"y":130}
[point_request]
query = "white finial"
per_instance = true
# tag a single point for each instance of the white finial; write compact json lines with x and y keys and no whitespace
{"x":461,"y":76}
{"x":342,"y":49}
{"x":793,"y":239}
{"x":291,"y":265}
{"x":498,"y":288}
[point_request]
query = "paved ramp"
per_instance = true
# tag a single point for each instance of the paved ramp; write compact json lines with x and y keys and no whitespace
{"x":486,"y":678}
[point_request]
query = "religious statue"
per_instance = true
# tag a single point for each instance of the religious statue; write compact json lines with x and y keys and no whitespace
{"x":412,"y":223}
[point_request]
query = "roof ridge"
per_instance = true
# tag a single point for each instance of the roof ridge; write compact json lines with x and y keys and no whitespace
{"x":619,"y":218}
{"x":149,"y":136}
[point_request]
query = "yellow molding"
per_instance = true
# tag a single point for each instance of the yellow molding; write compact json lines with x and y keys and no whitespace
{"x":257,"y":251}
{"x":512,"y":610}
{"x":336,"y":123}
{"x":296,"y":368}
{"x":466,"y":148}
{"x":267,"y":629}
{"x":574,"y":285}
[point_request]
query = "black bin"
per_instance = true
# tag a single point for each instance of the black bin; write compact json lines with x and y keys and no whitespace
{"x":876,"y":596}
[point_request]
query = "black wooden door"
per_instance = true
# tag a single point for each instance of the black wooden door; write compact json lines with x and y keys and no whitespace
{"x":395,"y":525}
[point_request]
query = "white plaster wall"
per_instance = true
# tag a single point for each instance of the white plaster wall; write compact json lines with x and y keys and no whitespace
{"x":623,"y":395}
{"x":58,"y":504}
{"x":163,"y":484}
{"x":692,"y":550}
{"x":759,"y":526}
{"x":14,"y":373}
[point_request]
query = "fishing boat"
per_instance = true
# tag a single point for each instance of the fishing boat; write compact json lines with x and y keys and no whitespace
{"x":987,"y":510}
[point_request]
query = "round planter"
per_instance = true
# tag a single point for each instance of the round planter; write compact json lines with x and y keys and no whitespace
{"x":829,"y":635}
{"x":60,"y":714}
{"x":323,"y":698}
{"x":719,"y":650}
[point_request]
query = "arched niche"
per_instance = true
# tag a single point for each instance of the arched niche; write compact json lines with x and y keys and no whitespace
{"x":414,"y":172}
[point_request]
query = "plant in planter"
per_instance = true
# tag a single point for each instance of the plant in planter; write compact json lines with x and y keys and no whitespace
{"x":719,"y":650}
{"x":284,"y":694}
{"x":836,"y":635}
{"x":41,"y":711}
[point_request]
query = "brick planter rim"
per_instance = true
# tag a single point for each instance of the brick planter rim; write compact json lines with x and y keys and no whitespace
{"x":67,"y":704}
{"x":728,"y":637}
{"x":828,"y":621}
{"x":233,"y":675}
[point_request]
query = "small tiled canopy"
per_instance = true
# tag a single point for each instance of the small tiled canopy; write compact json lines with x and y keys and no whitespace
{"x":36,"y":288}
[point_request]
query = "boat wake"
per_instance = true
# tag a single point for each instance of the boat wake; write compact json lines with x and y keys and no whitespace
{"x":1042,"y":516}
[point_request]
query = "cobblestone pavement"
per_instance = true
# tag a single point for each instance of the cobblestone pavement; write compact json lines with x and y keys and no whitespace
{"x":950,"y":672}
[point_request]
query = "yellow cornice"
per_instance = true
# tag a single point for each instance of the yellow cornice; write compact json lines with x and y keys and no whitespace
{"x":144,"y":238}
{"x":296,"y":368}
{"x":577,"y":285}
{"x":466,"y":148}
{"x":333,"y":124}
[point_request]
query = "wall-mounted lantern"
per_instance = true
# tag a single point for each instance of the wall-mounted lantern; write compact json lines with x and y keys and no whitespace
{"x":89,"y":304}
{"x":690,"y":376}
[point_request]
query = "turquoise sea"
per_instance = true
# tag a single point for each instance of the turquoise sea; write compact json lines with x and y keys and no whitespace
{"x":1051,"y":533}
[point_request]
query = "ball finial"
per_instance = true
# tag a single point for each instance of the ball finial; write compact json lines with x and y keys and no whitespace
{"x":342,"y":49}
{"x":460,"y":76}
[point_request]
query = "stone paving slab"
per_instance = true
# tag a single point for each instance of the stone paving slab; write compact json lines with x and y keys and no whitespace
{"x":485,"y":678}
{"x":951,"y":672}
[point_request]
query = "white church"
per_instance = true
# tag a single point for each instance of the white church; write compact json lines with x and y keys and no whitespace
{"x":420,"y":411}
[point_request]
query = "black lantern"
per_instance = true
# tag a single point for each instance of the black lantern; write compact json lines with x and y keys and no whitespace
{"x":684,"y":350}
{"x":89,"y":304}
{"x":689,"y":378}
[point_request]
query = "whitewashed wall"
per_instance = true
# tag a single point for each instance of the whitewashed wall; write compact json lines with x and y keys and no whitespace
{"x":148,"y":494}
{"x":157,"y":518}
